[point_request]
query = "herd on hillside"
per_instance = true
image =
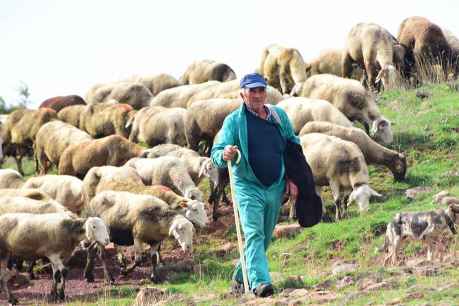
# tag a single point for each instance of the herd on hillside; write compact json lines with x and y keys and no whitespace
{"x":111,"y":189}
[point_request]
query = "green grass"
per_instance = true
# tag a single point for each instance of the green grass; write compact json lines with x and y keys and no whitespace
{"x":427,"y":131}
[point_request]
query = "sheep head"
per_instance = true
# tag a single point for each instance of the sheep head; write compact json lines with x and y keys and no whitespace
{"x":193,"y":193}
{"x":381,"y":131}
{"x":96,"y":230}
{"x":183,"y":231}
{"x":399,"y":166}
{"x":195,"y":212}
{"x":209,"y":170}
{"x":361,"y":195}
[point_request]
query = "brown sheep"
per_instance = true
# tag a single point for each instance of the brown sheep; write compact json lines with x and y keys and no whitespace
{"x":373,"y":48}
{"x":21,"y":128}
{"x":112,"y":150}
{"x":282,"y":67}
{"x":71,"y":114}
{"x":106,"y":119}
{"x":427,"y":42}
{"x":60,"y":102}
{"x":207,"y":70}
{"x":51,"y":141}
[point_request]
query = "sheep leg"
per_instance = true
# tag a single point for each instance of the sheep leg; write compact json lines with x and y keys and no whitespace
{"x":18,"y":160}
{"x":5,"y":275}
{"x":88,"y":269}
{"x":140,"y":257}
{"x":430,"y":249}
{"x":346,"y":66}
{"x":103,"y":258}
{"x":59,"y":273}
{"x":155,"y":259}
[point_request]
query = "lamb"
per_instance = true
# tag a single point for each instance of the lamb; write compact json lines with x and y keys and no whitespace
{"x":101,"y":175}
{"x":282,"y":67}
{"x":157,"y":83}
{"x":329,"y":61}
{"x":351,"y":98}
{"x":60,"y":102}
{"x":373,"y":48}
{"x":207,"y":70}
{"x":179,"y":96}
{"x":374,"y":153}
{"x":112,"y":150}
{"x":138,"y":220}
{"x":160,"y":125}
{"x":341,"y":165}
{"x":72,"y":114}
{"x":427,"y":226}
{"x":205,"y":118}
{"x":65,"y":189}
{"x":54,"y":236}
{"x":106,"y":119}
{"x":21,"y":128}
{"x":10,"y":178}
{"x":169,"y":171}
{"x":303,"y":110}
{"x":134,"y":94}
{"x":51,"y":141}
{"x":191,"y":209}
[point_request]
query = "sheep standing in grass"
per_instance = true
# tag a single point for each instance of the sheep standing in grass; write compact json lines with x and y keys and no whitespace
{"x":341,"y":165}
{"x":303,"y":110}
{"x":374,"y":153}
{"x":51,"y":141}
{"x":169,"y":171}
{"x":351,"y":98}
{"x":65,"y":189}
{"x":138,"y":220}
{"x":53,"y":236}
{"x":10,"y":178}
{"x":112,"y":150}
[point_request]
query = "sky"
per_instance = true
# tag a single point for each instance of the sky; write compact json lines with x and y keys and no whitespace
{"x":65,"y":47}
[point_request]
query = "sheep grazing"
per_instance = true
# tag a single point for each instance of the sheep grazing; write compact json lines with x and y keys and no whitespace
{"x":53,"y":236}
{"x":341,"y":165}
{"x":207,"y":70}
{"x":101,"y":175}
{"x":374,"y":153}
{"x":205,"y":118}
{"x":112,"y":150}
{"x":282,"y":67}
{"x":51,"y":141}
{"x":106,"y":119}
{"x":138,"y":220}
{"x":351,"y":98}
{"x":192,"y":210}
{"x":157,"y":125}
{"x":169,"y":171}
{"x":65,"y":189}
{"x":428,"y":227}
{"x":60,"y":102}
{"x":329,"y":61}
{"x":20,"y":130}
{"x":10,"y":178}
{"x":303,"y":110}
{"x":373,"y":48}
{"x":179,"y":96}
{"x":71,"y":114}
{"x":134,"y":94}
{"x":157,"y":83}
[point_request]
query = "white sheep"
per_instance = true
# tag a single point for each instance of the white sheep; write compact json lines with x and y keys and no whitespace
{"x":179,"y":96}
{"x":53,"y":236}
{"x":10,"y":178}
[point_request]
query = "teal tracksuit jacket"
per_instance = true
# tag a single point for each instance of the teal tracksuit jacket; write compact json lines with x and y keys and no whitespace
{"x":258,"y":205}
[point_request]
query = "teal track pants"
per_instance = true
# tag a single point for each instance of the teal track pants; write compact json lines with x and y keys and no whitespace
{"x":259,"y":211}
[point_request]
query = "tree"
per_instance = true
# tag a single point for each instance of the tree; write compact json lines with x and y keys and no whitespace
{"x":24,"y":94}
{"x":3,"y":108}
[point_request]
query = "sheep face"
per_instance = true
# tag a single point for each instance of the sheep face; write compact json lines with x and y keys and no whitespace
{"x":381,"y":131}
{"x":193,"y":194}
{"x":361,"y":195}
{"x":183,"y":232}
{"x":209,"y":170}
{"x":399,"y":167}
{"x":97,"y":231}
{"x":196,"y":213}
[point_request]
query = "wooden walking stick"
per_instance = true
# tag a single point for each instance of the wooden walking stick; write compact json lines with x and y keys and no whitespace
{"x":237,"y":222}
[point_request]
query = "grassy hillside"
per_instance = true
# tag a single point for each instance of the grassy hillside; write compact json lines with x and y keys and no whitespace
{"x":427,"y":131}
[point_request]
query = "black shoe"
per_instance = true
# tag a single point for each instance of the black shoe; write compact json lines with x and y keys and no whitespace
{"x":264,"y":290}
{"x":237,"y":288}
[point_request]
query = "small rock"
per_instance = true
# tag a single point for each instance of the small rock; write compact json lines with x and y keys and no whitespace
{"x":343,"y":268}
{"x":323,"y":296}
{"x":298,"y":293}
{"x":414,"y":193}
{"x":148,"y":296}
{"x":288,"y":230}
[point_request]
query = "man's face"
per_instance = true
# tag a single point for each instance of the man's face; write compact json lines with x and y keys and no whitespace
{"x":254,"y":96}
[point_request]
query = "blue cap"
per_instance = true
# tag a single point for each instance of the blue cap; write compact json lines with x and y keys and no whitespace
{"x":253,"y":80}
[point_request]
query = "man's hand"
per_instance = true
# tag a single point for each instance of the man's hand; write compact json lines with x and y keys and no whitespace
{"x":291,"y":190}
{"x":229,"y":152}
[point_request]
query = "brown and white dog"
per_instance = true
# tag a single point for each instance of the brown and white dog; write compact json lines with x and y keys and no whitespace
{"x":428,"y":226}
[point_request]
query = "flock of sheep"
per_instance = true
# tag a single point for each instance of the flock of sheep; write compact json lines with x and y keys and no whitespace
{"x":110,"y":188}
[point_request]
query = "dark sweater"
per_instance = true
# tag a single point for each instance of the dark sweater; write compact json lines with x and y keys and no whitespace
{"x":265,"y":148}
